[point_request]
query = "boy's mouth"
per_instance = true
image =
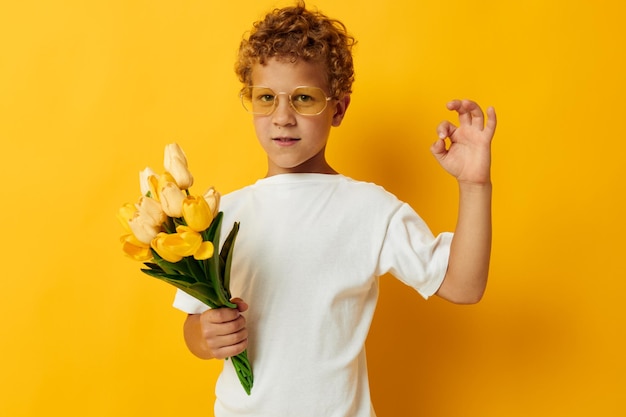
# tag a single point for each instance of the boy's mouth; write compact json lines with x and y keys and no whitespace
{"x":285,"y":140}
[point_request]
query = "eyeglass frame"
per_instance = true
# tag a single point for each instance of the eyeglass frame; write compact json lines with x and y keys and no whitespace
{"x":275,"y":102}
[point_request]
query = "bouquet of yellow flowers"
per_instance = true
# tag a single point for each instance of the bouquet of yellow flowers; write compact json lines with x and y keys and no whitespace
{"x":177,"y":236}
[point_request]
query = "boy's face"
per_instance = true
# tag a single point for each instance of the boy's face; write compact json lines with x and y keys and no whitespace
{"x":295,"y":143}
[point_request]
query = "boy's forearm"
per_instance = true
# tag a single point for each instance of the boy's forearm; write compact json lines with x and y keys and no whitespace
{"x":468,"y":266}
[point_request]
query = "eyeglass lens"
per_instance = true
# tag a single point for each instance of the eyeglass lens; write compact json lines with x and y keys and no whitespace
{"x":304,"y":100}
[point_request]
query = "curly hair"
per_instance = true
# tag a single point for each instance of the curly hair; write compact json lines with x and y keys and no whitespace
{"x":294,"y":33}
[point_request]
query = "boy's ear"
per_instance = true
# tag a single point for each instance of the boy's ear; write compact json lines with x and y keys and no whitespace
{"x":340,"y":109}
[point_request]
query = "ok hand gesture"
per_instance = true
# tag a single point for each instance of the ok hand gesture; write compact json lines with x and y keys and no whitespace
{"x":468,"y":158}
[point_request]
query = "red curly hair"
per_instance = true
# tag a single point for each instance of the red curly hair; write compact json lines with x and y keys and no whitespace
{"x":294,"y":33}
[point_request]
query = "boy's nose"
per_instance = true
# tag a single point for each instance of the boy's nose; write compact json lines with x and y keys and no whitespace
{"x":283,"y":114}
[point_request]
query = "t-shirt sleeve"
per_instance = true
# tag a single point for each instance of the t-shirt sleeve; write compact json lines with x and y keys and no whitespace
{"x":189,"y":304}
{"x":411,"y":252}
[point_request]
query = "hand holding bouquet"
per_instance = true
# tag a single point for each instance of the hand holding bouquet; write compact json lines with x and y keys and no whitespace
{"x":177,"y":236}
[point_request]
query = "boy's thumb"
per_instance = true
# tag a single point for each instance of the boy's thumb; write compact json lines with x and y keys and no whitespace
{"x":241,"y":305}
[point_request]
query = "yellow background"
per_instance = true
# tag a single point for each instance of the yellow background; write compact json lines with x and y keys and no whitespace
{"x":91,"y":91}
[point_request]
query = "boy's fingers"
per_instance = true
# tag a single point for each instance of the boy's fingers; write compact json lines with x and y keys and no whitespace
{"x":445,"y":129}
{"x":461,"y":107}
{"x":453,"y":104}
{"x":478,"y":118}
{"x":492,"y":119}
{"x":469,"y":112}
{"x":221,"y":315}
{"x":438,"y":149}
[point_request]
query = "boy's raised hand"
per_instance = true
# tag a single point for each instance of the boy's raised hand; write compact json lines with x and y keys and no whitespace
{"x":468,"y":158}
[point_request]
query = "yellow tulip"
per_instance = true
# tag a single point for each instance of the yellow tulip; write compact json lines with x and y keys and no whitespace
{"x":125,"y":214}
{"x":197,"y":213}
{"x":146,"y":223}
{"x":174,"y":246}
{"x":143,"y":229}
{"x":212,"y":197}
{"x":144,"y":180}
{"x":153,"y":187}
{"x":151,"y":209}
{"x":161,"y":246}
{"x":136,"y":249}
{"x":175,"y":162}
{"x":164,"y":179}
{"x":171,"y":198}
{"x":202,"y":251}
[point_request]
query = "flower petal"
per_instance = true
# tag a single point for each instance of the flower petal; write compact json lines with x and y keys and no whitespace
{"x":143,"y":230}
{"x":212,"y":198}
{"x":172,"y":199}
{"x":197,"y":213}
{"x":174,"y":246}
{"x":164,"y":249}
{"x":152,"y":210}
{"x":191,"y":240}
{"x":205,"y":251}
{"x":125,"y":214}
{"x":135,"y":249}
{"x":153,"y":187}
{"x":144,"y":180}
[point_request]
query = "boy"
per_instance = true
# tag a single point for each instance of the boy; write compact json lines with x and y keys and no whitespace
{"x":313,"y":243}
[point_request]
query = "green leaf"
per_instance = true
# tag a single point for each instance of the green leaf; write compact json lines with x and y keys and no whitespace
{"x":168,"y":267}
{"x":227,"y":254}
{"x":212,"y":265}
{"x":154,"y":273}
{"x":152,"y":265}
{"x":212,"y":232}
{"x":179,"y":267}
{"x":230,"y":241}
{"x":216,"y":282}
{"x":205,"y":290}
{"x":169,"y":225}
{"x":195,"y":268}
{"x":202,"y":294}
{"x":175,"y":277}
{"x":210,"y":235}
{"x":243,"y":370}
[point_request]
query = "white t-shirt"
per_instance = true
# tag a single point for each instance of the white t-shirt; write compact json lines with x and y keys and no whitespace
{"x":307,"y":260}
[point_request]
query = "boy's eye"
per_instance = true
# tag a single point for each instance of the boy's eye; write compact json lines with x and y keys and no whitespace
{"x":303,"y":98}
{"x":266,"y":98}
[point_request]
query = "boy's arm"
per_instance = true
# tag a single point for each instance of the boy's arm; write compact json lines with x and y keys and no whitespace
{"x":468,"y":159}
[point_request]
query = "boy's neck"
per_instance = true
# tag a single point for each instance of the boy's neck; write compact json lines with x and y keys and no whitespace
{"x":312,"y":166}
{"x":271,"y":173}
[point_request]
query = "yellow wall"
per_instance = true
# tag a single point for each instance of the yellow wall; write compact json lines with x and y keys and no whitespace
{"x":90,"y":91}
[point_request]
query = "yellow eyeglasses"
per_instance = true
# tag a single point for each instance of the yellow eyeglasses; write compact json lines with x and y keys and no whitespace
{"x":307,"y":101}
